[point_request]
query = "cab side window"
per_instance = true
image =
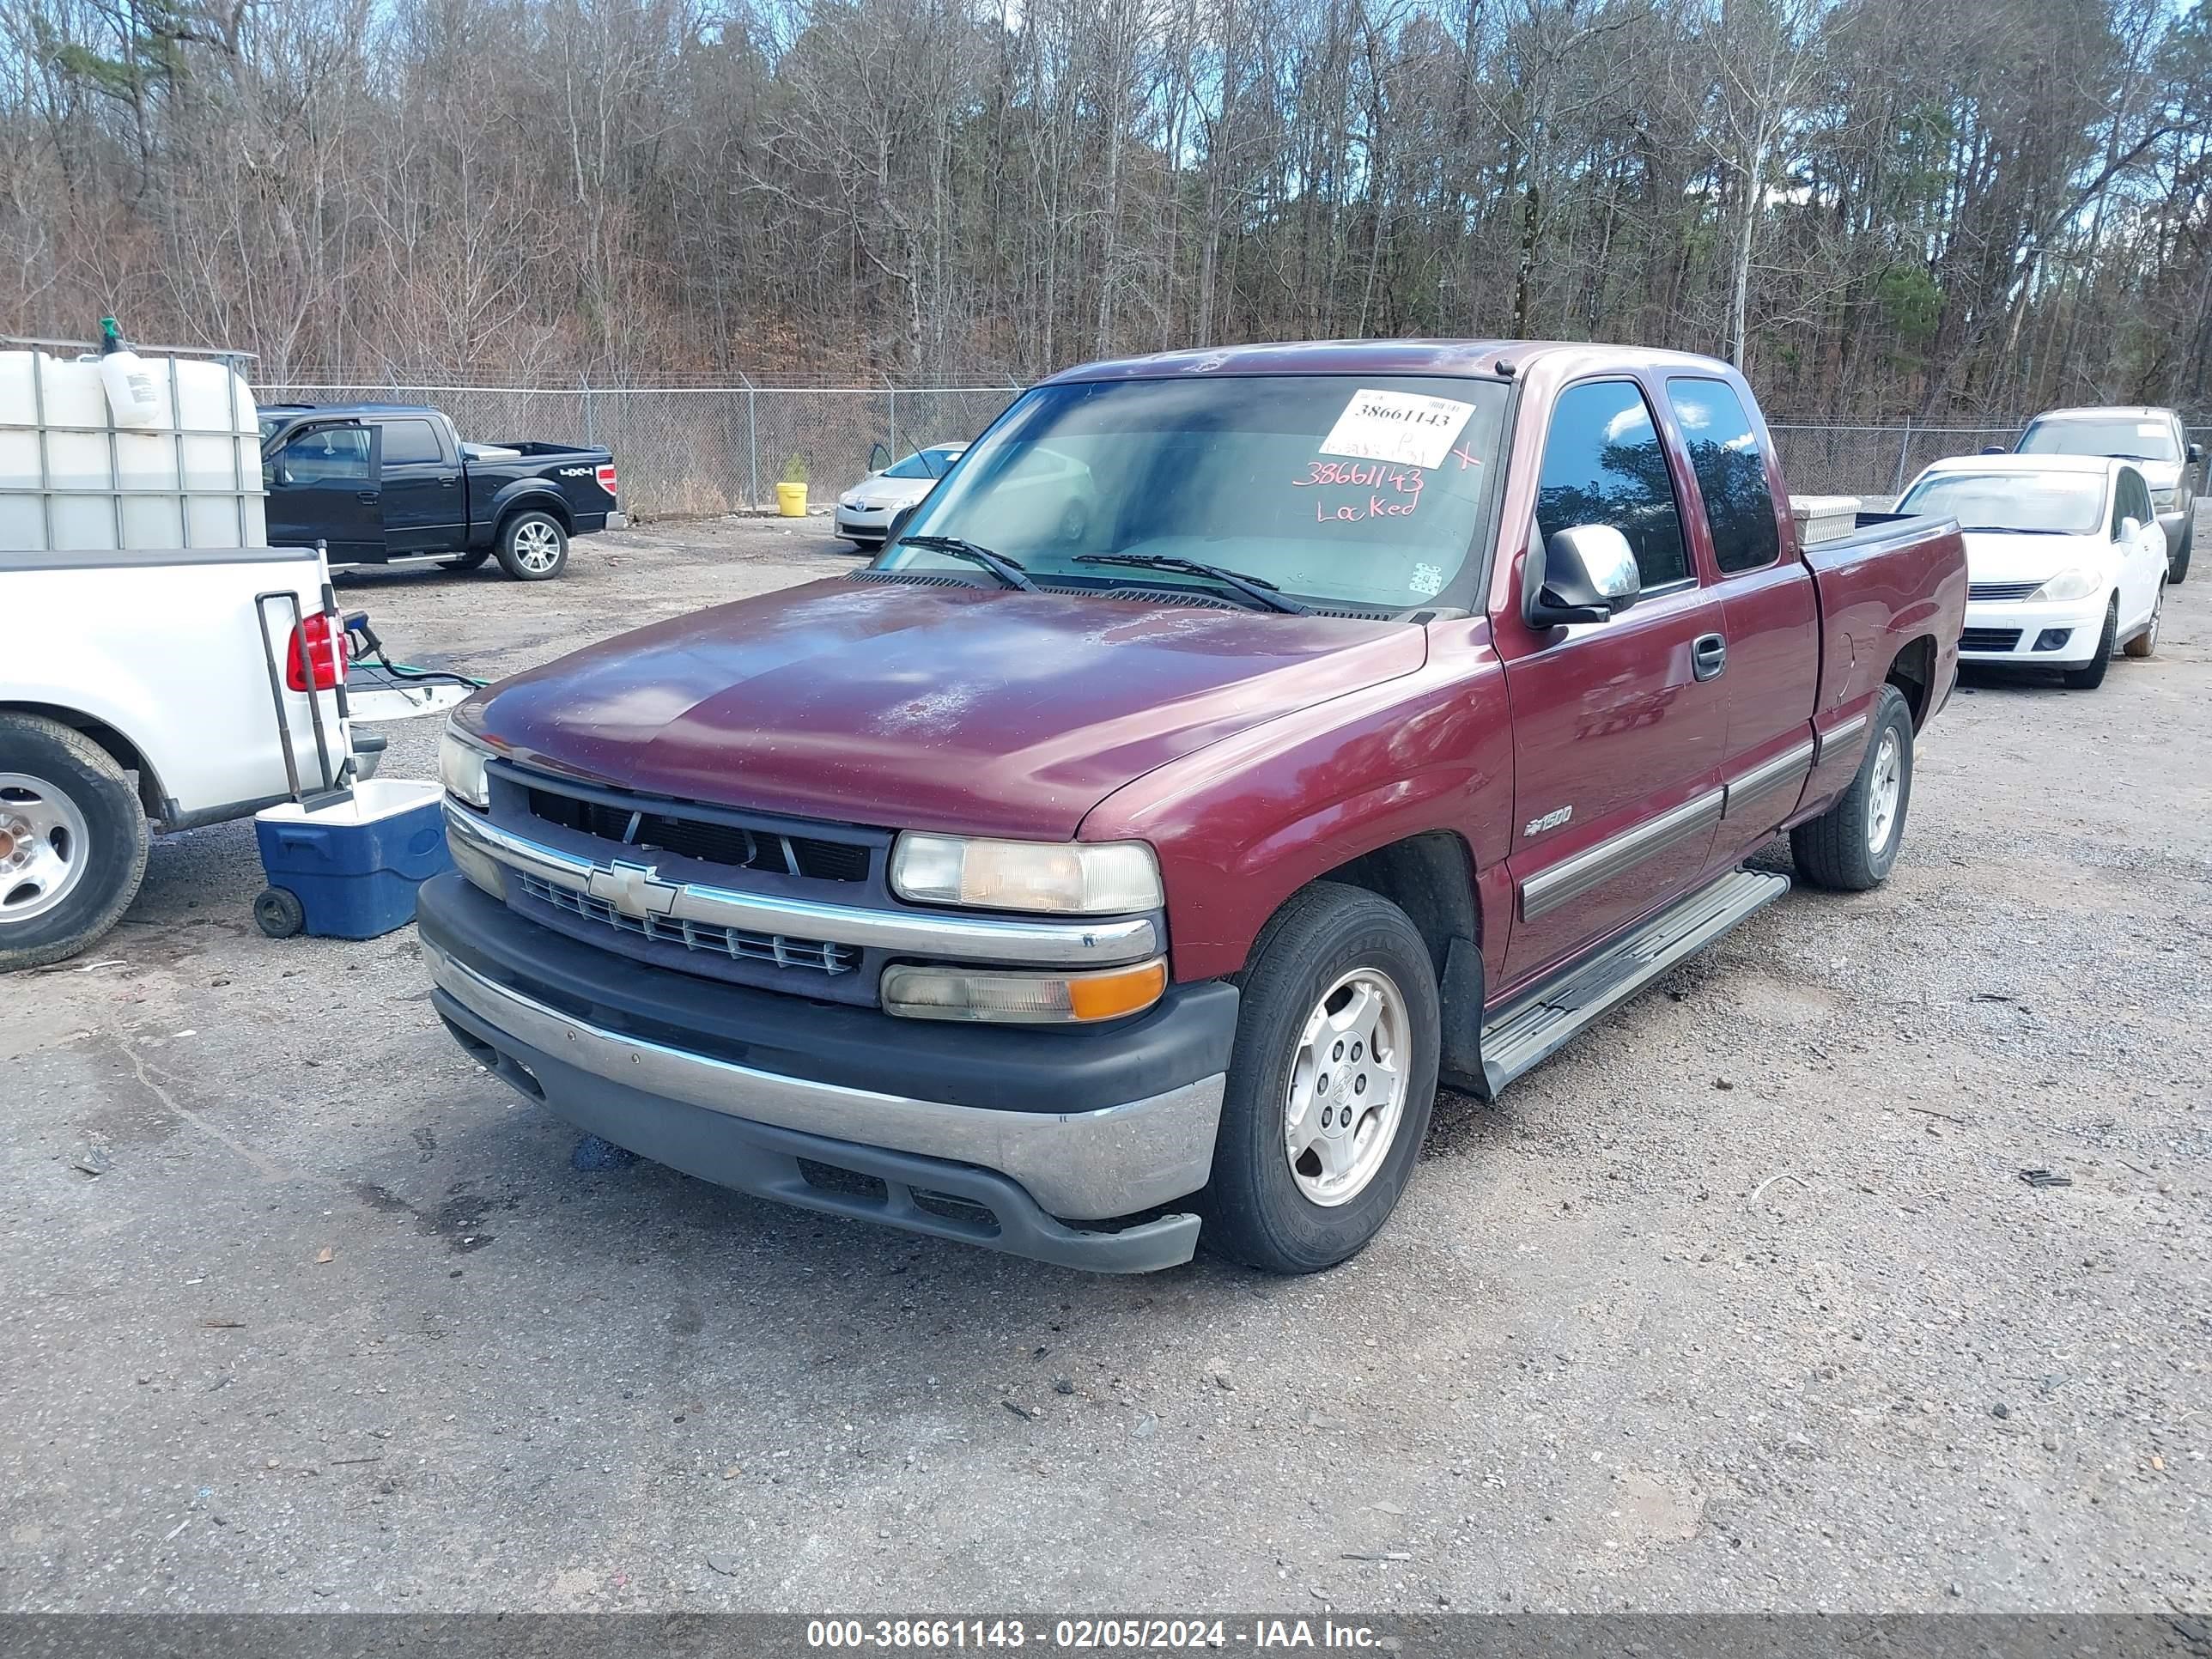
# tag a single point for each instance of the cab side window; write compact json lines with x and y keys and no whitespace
{"x":1731,"y":473}
{"x":329,"y":455}
{"x":1603,"y":464}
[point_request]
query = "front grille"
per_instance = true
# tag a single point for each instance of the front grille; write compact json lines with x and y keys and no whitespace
{"x":1988,"y":639}
{"x":704,"y":839}
{"x":2001,"y":590}
{"x":741,"y":944}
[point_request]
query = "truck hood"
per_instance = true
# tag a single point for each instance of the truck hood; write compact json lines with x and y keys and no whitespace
{"x":954,"y":707}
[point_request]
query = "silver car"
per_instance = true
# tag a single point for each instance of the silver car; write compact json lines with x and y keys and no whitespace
{"x":2155,"y":440}
{"x":866,"y":511}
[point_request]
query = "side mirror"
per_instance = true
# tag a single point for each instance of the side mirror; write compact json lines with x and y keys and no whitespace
{"x":1995,"y":449}
{"x":2195,"y":453}
{"x":1584,"y":573}
{"x":2130,"y":529}
{"x":899,"y":520}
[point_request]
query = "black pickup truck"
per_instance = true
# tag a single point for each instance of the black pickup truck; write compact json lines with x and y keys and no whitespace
{"x":393,"y":483}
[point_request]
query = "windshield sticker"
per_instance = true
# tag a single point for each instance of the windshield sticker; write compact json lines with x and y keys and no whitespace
{"x":1426,"y":581}
{"x":2150,"y":430}
{"x":1398,"y":427}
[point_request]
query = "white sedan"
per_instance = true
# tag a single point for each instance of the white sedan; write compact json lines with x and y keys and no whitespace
{"x":2065,"y":561}
{"x":866,"y":511}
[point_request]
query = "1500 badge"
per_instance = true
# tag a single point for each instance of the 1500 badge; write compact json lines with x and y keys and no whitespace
{"x":1551,"y":820}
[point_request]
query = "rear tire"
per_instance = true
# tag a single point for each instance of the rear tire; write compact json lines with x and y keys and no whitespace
{"x":75,"y":839}
{"x":2091,"y":674}
{"x":2145,"y":644}
{"x":1853,"y":845}
{"x":468,"y":561}
{"x":1340,"y":1021}
{"x":532,"y":547}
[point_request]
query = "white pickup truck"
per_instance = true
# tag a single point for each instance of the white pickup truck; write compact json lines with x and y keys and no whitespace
{"x":135,"y":686}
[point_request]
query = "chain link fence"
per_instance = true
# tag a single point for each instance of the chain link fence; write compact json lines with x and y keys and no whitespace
{"x":695,"y":450}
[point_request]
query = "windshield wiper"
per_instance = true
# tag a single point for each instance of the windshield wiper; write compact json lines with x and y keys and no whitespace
{"x":2007,"y":530}
{"x":1257,"y":589}
{"x":1009,"y":575}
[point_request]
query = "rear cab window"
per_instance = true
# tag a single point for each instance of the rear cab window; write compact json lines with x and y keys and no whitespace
{"x":1730,"y":468}
{"x":410,"y":440}
{"x":1603,"y":463}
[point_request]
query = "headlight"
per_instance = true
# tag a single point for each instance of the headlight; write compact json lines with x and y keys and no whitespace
{"x":2068,"y":584}
{"x":461,"y":768}
{"x":1071,"y":878}
{"x":2165,"y":500}
{"x":1022,"y":999}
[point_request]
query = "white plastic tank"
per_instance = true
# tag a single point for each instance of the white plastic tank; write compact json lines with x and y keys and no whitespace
{"x":73,"y":477}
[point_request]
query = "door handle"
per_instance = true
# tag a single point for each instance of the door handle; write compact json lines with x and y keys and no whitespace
{"x":1708,"y":656}
{"x":446,"y":482}
{"x":369,"y":498}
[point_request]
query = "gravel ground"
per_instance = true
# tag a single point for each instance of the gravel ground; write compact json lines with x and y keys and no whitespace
{"x":1740,"y":1302}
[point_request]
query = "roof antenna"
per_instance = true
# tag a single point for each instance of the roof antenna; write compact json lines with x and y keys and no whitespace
{"x":1505,"y":370}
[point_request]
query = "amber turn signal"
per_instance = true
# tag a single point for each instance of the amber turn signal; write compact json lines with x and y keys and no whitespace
{"x":922,"y":993}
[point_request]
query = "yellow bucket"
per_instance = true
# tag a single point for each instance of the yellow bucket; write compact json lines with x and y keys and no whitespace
{"x":791,"y":500}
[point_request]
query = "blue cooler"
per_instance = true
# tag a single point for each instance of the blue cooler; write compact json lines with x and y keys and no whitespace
{"x":351,"y":871}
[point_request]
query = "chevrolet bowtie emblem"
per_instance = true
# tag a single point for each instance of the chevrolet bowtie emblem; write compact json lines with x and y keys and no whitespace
{"x":633,"y":888}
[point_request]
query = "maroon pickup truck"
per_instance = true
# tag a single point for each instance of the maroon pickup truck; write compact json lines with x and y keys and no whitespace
{"x":1231,"y":748}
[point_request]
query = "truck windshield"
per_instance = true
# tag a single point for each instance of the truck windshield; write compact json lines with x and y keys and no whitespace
{"x":2036,"y":503}
{"x":1365,"y":490}
{"x":2130,"y":438}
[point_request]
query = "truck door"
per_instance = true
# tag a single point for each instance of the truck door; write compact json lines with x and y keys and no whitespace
{"x":1618,"y":727}
{"x":424,"y":505}
{"x":1770,"y":624}
{"x":322,"y":487}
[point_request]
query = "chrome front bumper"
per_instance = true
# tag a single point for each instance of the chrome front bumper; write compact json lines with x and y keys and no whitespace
{"x":1081,"y":1166}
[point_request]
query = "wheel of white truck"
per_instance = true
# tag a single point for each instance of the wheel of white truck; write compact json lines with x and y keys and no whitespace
{"x":1853,"y":845}
{"x":1330,"y":1086}
{"x":73,"y":841}
{"x":532,"y":547}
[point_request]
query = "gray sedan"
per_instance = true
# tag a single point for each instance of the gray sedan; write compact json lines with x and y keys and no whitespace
{"x":866,"y":511}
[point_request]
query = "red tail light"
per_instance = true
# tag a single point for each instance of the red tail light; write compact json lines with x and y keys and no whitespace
{"x":606,"y":477}
{"x":327,"y":650}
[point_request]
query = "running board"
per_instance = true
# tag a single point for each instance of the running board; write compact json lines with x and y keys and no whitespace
{"x":1535,"y":1027}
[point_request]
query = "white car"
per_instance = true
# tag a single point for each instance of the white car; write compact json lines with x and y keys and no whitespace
{"x":2065,"y":560}
{"x":866,"y":511}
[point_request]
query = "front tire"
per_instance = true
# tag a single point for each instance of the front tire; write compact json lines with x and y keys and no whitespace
{"x":73,"y":841}
{"x":1853,"y":845}
{"x":532,"y":547}
{"x":2091,"y":674}
{"x":2176,"y":566}
{"x":1330,"y":1085}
